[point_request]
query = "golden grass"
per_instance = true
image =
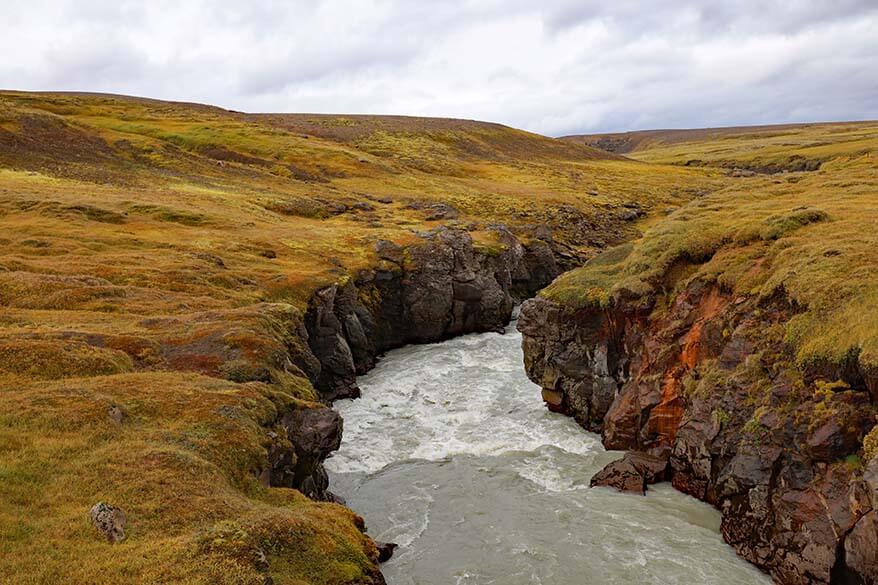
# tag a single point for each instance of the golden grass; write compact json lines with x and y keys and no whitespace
{"x":764,"y":145}
{"x":155,"y":192}
{"x":183,"y":464}
{"x":158,"y":256}
{"x":811,"y":234}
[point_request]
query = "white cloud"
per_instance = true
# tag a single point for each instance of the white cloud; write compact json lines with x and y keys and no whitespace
{"x":558,"y":66}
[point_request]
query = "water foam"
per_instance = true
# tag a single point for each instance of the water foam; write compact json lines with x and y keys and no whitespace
{"x":492,"y":408}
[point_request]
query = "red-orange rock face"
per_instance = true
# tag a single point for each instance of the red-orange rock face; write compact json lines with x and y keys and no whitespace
{"x":709,"y":378}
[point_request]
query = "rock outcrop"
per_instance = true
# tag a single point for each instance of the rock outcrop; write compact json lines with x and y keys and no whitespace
{"x":635,"y":471}
{"x":860,"y":552}
{"x":109,"y":520}
{"x":385,"y":550}
{"x":445,"y":285}
{"x":441,"y":286}
{"x":776,"y":447}
{"x":305,"y":436}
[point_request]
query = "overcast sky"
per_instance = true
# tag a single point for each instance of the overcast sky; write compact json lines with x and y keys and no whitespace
{"x":550,"y":66}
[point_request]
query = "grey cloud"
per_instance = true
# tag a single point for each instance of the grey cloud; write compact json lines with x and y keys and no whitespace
{"x":309,"y":66}
{"x":72,"y":64}
{"x":711,"y":16}
{"x":557,"y":67}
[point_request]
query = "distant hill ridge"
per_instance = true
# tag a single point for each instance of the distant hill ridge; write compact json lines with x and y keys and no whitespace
{"x":637,"y":140}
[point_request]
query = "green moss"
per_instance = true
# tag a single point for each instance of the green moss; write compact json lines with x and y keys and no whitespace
{"x":720,"y":417}
{"x":244,"y":371}
{"x":825,"y":389}
{"x":285,"y":545}
{"x":97,"y":214}
{"x":298,"y":386}
{"x":168,"y":214}
{"x":870,"y":445}
{"x":593,"y":284}
{"x":52,"y":359}
{"x":707,"y":380}
{"x":777,"y":226}
{"x":853,"y":463}
{"x":754,"y":426}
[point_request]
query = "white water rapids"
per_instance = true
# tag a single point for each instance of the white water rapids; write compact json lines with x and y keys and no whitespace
{"x":451,"y":454}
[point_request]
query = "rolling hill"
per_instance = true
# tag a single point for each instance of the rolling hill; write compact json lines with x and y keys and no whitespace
{"x":164,"y":271}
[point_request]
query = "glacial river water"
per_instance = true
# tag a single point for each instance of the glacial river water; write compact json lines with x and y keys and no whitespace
{"x":450,"y":453}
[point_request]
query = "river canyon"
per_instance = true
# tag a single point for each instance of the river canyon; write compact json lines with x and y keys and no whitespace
{"x":450,"y":453}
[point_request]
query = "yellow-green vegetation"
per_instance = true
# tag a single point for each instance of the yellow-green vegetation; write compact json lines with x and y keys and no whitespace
{"x":870,"y":445}
{"x":771,"y":147}
{"x":811,"y":235}
{"x":768,"y":148}
{"x":109,"y":183}
{"x":183,"y":459}
{"x":157,"y":257}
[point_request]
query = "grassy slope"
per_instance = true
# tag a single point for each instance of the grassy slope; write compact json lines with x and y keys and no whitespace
{"x":744,"y":146}
{"x":812,"y":234}
{"x":150,"y":252}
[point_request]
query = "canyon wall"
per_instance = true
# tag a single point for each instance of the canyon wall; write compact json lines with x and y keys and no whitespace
{"x":703,"y":389}
{"x":442,"y":286}
{"x":439,"y":288}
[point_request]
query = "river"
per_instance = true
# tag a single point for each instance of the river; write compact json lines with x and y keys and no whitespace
{"x":451,"y":454}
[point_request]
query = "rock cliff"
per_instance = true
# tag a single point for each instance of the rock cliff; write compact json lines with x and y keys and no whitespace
{"x":443,"y":286}
{"x":706,"y":380}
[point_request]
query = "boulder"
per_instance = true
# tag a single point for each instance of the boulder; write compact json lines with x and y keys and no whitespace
{"x":109,"y":521}
{"x":314,"y":432}
{"x":861,"y":549}
{"x":385,"y":550}
{"x":116,"y":414}
{"x":832,"y":440}
{"x":633,"y":472}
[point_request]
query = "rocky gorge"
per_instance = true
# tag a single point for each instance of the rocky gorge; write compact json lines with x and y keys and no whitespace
{"x":697,"y":382}
{"x":702,"y":389}
{"x":443,"y":286}
{"x":188,"y":292}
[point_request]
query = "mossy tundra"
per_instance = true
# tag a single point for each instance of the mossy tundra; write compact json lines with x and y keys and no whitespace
{"x":810,"y":234}
{"x":156,"y":260}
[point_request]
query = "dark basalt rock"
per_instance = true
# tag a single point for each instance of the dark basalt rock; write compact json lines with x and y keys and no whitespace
{"x":577,"y":359}
{"x":337,"y":374}
{"x":385,"y":550}
{"x":861,"y":551}
{"x":295,"y":457}
{"x":314,"y":433}
{"x":830,"y":439}
{"x":860,"y":555}
{"x":439,"y":288}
